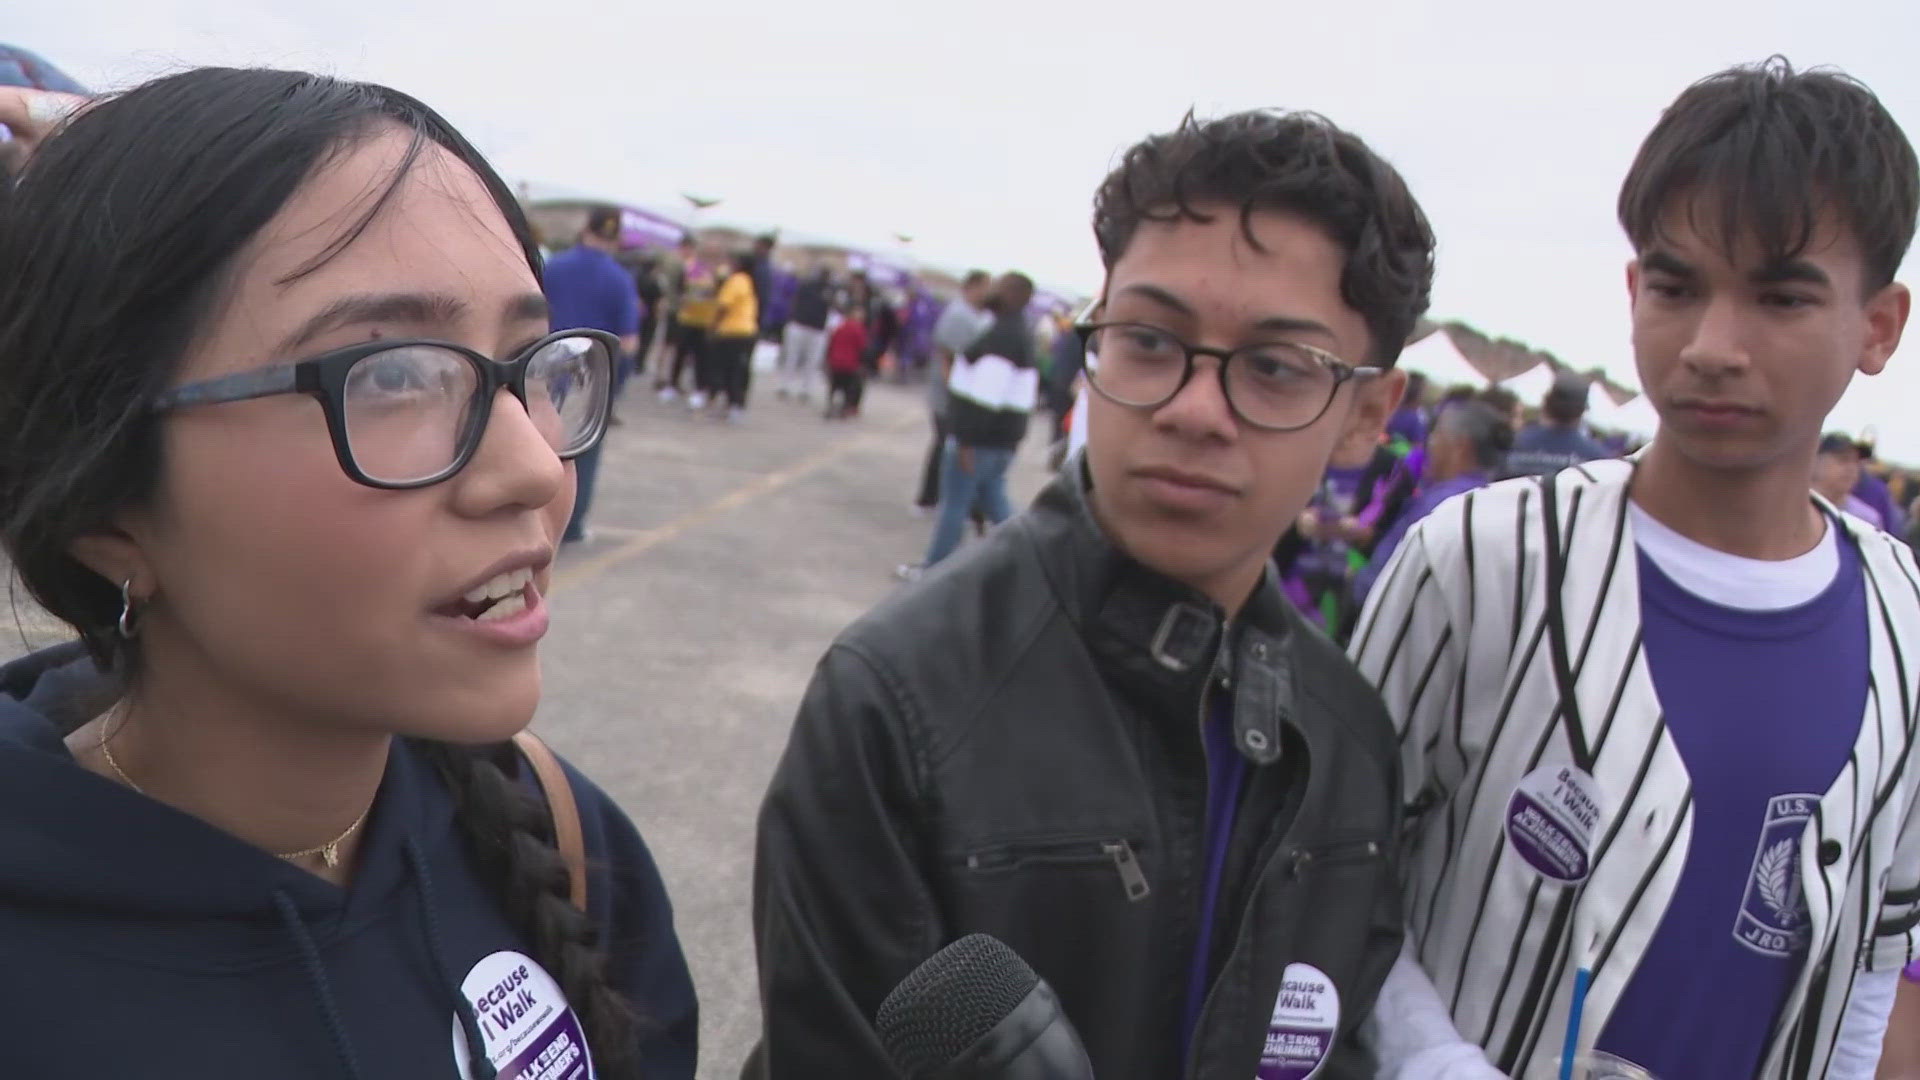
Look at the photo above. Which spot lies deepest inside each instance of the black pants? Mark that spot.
(688, 344)
(645, 334)
(849, 386)
(930, 475)
(731, 369)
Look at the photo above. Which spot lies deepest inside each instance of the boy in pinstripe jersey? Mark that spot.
(1655, 716)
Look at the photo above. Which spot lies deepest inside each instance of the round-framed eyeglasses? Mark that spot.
(1274, 386)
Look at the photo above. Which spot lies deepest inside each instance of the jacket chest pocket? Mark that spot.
(1098, 857)
(1078, 886)
(1084, 910)
(1313, 859)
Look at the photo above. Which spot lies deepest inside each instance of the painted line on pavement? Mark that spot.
(645, 540)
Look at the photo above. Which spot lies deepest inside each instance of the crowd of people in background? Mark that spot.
(1442, 443)
(699, 321)
(695, 318)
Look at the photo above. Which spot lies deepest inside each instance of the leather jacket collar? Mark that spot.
(1159, 638)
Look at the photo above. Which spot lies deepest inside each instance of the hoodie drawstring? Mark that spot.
(317, 976)
(469, 1023)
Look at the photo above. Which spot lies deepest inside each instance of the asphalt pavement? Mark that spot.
(723, 560)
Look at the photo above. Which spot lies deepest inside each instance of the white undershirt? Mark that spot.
(1731, 580)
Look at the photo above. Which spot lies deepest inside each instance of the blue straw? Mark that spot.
(1581, 979)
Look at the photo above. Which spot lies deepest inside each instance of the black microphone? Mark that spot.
(976, 1011)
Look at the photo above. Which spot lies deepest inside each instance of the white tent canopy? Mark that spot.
(1602, 412)
(1637, 417)
(1531, 385)
(1436, 357)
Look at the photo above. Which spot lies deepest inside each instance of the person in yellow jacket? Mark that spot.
(689, 339)
(735, 329)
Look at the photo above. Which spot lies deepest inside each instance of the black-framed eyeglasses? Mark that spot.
(406, 414)
(1277, 386)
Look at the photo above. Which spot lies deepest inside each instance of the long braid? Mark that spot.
(509, 834)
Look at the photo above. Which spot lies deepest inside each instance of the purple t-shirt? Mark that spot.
(1226, 775)
(1874, 492)
(1334, 500)
(1425, 501)
(1764, 707)
(1408, 424)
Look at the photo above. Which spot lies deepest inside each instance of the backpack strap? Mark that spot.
(567, 834)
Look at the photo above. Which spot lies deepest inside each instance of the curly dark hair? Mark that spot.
(1772, 148)
(1293, 161)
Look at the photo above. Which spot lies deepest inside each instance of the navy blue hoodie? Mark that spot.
(137, 941)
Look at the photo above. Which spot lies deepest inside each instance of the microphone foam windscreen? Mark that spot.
(950, 1001)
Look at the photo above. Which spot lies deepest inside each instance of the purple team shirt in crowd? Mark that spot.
(1425, 501)
(1764, 708)
(1408, 424)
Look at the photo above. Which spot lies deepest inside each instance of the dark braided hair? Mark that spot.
(116, 241)
(509, 836)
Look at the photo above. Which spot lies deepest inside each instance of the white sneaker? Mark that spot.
(668, 395)
(909, 571)
(696, 401)
(736, 414)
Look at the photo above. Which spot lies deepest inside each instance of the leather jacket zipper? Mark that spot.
(1332, 855)
(1071, 852)
(1131, 876)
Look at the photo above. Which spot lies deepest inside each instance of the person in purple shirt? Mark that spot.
(1872, 489)
(1409, 421)
(587, 289)
(1470, 440)
(1836, 472)
(1366, 488)
(1727, 684)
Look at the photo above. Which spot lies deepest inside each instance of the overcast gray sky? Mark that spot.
(982, 129)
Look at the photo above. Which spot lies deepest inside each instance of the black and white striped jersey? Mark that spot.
(1456, 637)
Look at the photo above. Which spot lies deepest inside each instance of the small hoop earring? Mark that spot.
(128, 627)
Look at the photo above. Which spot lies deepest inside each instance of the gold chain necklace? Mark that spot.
(329, 852)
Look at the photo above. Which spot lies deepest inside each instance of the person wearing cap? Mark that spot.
(1873, 490)
(1836, 471)
(1559, 440)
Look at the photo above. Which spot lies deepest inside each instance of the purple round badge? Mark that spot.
(528, 1029)
(1552, 819)
(1306, 1014)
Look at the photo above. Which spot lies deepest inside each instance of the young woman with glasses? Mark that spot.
(285, 436)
